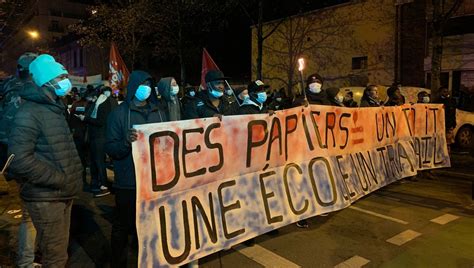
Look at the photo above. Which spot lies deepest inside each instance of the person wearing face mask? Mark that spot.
(277, 103)
(46, 161)
(169, 89)
(188, 102)
(449, 114)
(96, 120)
(315, 94)
(255, 102)
(79, 131)
(139, 107)
(335, 96)
(349, 100)
(423, 97)
(209, 102)
(370, 98)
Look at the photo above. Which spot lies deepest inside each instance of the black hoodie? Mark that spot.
(118, 124)
(46, 160)
(173, 105)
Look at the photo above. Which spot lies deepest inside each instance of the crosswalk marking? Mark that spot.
(446, 218)
(353, 262)
(378, 215)
(403, 237)
(265, 257)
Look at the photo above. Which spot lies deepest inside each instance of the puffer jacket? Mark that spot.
(46, 161)
(120, 120)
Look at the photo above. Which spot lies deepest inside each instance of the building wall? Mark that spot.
(457, 65)
(329, 40)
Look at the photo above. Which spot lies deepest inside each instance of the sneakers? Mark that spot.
(302, 224)
(103, 191)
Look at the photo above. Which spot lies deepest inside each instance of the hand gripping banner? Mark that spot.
(205, 185)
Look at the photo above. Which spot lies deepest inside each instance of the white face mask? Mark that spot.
(315, 87)
(228, 92)
(278, 99)
(174, 90)
(340, 98)
(426, 99)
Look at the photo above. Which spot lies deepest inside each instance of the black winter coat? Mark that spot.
(98, 126)
(46, 160)
(204, 108)
(120, 121)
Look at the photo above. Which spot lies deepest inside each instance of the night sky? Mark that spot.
(233, 51)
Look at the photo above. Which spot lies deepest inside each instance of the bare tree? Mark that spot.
(299, 36)
(441, 13)
(128, 23)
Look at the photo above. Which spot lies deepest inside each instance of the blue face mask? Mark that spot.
(65, 87)
(192, 93)
(143, 92)
(261, 97)
(174, 90)
(216, 93)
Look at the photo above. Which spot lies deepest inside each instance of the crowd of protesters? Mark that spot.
(56, 133)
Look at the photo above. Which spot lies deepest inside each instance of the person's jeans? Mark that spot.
(52, 221)
(123, 226)
(26, 240)
(98, 168)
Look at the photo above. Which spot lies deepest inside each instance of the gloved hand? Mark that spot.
(132, 135)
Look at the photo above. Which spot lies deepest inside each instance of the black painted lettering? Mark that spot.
(344, 129)
(330, 124)
(210, 224)
(275, 126)
(225, 209)
(288, 192)
(186, 151)
(332, 183)
(162, 187)
(164, 236)
(217, 146)
(267, 195)
(250, 142)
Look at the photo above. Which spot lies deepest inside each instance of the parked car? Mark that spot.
(464, 130)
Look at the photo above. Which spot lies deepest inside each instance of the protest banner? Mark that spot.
(205, 185)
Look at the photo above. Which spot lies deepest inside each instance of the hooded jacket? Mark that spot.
(120, 121)
(173, 105)
(46, 160)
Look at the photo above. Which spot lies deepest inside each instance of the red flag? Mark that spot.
(207, 65)
(118, 72)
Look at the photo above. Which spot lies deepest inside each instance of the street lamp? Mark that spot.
(33, 34)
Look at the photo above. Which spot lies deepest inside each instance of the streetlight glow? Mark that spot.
(300, 64)
(33, 34)
(94, 11)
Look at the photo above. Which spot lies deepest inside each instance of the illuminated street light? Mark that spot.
(33, 34)
(94, 11)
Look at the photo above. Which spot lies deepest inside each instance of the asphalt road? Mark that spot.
(428, 223)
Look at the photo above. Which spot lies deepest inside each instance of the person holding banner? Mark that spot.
(209, 102)
(314, 91)
(335, 97)
(257, 96)
(140, 107)
(188, 102)
(370, 98)
(169, 89)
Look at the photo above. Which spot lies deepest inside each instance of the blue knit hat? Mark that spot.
(44, 69)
